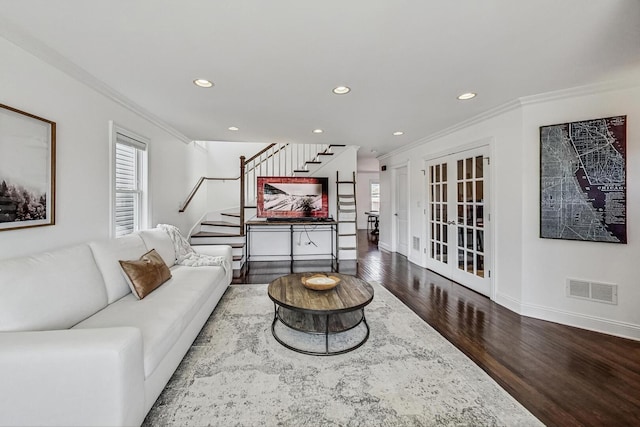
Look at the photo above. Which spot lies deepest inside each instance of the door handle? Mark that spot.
(395, 214)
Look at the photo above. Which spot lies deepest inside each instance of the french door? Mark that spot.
(457, 217)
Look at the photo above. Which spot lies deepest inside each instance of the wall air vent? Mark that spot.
(592, 291)
(416, 243)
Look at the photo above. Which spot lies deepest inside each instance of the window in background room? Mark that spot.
(374, 188)
(129, 200)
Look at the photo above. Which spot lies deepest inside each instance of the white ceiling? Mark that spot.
(274, 63)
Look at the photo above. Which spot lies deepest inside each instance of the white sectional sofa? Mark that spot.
(78, 348)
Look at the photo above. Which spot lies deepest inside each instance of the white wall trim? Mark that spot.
(583, 321)
(577, 91)
(198, 224)
(384, 246)
(564, 317)
(413, 260)
(146, 201)
(515, 104)
(509, 106)
(508, 302)
(40, 50)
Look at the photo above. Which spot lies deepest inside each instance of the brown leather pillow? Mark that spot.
(146, 274)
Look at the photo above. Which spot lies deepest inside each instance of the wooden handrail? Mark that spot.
(264, 160)
(258, 153)
(197, 187)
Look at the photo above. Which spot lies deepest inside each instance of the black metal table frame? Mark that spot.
(326, 332)
(331, 226)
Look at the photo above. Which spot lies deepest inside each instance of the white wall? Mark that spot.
(82, 174)
(548, 263)
(529, 273)
(368, 171)
(224, 162)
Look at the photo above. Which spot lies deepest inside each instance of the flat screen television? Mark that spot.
(293, 197)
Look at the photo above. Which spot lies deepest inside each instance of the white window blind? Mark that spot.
(128, 184)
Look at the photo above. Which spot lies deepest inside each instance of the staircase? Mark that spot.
(227, 227)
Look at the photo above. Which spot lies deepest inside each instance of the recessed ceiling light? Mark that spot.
(341, 90)
(466, 96)
(202, 83)
(398, 133)
(318, 131)
(233, 128)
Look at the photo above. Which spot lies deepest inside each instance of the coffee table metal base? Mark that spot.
(319, 324)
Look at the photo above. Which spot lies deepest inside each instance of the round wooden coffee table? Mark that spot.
(320, 312)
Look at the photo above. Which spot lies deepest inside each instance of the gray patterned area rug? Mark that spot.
(406, 374)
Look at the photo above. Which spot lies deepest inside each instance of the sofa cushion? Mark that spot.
(146, 274)
(107, 254)
(160, 241)
(52, 290)
(164, 314)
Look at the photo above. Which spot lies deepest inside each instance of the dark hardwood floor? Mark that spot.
(565, 376)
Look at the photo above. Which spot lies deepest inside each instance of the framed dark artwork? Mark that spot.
(583, 180)
(27, 169)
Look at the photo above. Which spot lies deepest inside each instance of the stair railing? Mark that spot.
(282, 159)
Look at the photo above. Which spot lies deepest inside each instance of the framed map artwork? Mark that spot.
(583, 187)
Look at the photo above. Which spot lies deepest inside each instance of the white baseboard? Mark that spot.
(578, 320)
(415, 261)
(385, 246)
(584, 321)
(508, 302)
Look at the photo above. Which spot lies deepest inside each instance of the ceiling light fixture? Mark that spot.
(202, 83)
(465, 96)
(398, 133)
(233, 128)
(341, 90)
(318, 131)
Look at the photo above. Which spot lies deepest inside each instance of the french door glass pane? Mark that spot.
(438, 209)
(470, 236)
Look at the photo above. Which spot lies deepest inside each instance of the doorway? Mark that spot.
(401, 211)
(458, 218)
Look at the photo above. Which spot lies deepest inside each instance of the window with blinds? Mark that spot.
(129, 184)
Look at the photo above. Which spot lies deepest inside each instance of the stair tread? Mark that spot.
(238, 257)
(220, 223)
(214, 234)
(325, 154)
(337, 145)
(233, 214)
(346, 222)
(349, 234)
(347, 248)
(301, 170)
(313, 162)
(345, 182)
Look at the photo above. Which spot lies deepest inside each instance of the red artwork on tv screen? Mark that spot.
(292, 197)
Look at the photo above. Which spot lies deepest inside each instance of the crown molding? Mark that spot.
(573, 92)
(40, 50)
(586, 90)
(504, 108)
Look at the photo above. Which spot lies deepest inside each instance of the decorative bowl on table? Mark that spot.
(320, 282)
